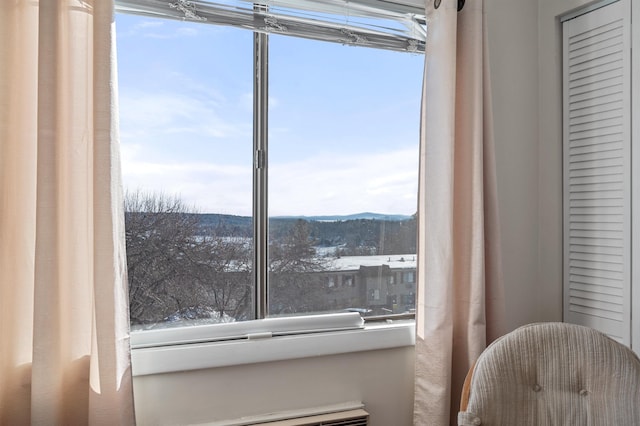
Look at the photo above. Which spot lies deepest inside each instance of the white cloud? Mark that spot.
(203, 171)
(334, 184)
(148, 24)
(209, 187)
(177, 33)
(158, 29)
(175, 143)
(246, 101)
(273, 102)
(382, 183)
(149, 115)
(186, 32)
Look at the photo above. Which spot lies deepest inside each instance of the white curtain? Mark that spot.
(64, 339)
(460, 297)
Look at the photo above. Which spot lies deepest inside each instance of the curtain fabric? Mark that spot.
(460, 297)
(64, 339)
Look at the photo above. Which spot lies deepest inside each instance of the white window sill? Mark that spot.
(195, 356)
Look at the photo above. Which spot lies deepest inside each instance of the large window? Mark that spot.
(265, 175)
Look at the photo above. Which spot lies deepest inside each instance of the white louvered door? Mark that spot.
(597, 170)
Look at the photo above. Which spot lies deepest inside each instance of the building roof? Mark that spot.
(350, 263)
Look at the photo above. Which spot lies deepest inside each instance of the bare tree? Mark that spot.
(223, 269)
(176, 268)
(296, 284)
(159, 231)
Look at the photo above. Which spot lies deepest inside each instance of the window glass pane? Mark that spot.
(343, 175)
(186, 108)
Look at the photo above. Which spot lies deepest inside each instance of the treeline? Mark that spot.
(351, 237)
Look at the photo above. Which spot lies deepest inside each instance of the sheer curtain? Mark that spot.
(64, 342)
(460, 297)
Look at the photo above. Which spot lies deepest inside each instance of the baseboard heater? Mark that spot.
(346, 414)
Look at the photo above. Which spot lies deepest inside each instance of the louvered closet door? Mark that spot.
(597, 179)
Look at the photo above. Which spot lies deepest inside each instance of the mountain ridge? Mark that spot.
(237, 219)
(354, 216)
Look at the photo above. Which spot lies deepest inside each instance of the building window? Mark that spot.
(348, 280)
(374, 294)
(247, 183)
(409, 277)
(331, 281)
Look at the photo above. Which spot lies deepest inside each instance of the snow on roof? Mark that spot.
(396, 261)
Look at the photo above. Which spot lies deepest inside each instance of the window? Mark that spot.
(374, 294)
(250, 186)
(331, 281)
(348, 280)
(409, 277)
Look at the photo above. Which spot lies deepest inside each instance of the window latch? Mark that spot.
(257, 336)
(260, 159)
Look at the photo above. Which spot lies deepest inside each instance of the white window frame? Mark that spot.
(268, 339)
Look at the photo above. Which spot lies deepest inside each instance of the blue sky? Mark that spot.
(343, 121)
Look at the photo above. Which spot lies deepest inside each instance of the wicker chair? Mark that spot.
(553, 374)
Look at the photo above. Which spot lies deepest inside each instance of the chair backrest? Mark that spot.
(553, 374)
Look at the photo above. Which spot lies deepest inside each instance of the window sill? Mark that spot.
(157, 360)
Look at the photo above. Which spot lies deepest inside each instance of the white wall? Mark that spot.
(524, 50)
(525, 42)
(513, 44)
(382, 379)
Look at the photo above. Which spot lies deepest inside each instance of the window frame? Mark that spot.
(262, 326)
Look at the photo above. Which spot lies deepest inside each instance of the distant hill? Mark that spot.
(215, 219)
(356, 216)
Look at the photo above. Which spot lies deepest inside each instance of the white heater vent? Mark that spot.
(343, 414)
(344, 418)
